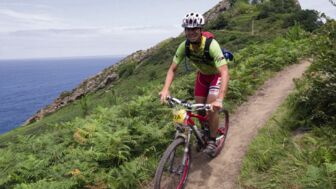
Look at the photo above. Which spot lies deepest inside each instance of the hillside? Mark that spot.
(112, 134)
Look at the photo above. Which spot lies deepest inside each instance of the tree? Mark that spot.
(232, 2)
(282, 6)
(308, 19)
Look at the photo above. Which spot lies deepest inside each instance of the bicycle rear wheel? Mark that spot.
(173, 168)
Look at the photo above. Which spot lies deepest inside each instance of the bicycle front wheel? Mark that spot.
(173, 168)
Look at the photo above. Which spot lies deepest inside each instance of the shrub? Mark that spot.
(84, 105)
(308, 19)
(316, 97)
(219, 23)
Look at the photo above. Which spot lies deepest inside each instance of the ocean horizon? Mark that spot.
(27, 85)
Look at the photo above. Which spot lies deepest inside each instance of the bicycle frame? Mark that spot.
(190, 123)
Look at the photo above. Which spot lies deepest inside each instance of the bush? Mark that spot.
(308, 19)
(315, 102)
(219, 23)
(126, 69)
(263, 14)
(275, 6)
(84, 105)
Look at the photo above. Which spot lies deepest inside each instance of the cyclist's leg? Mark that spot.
(211, 147)
(201, 89)
(212, 96)
(213, 117)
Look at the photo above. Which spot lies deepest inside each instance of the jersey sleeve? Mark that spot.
(217, 54)
(180, 53)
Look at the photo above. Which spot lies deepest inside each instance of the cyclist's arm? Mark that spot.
(224, 71)
(179, 56)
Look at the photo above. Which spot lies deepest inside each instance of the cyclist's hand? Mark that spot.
(163, 96)
(217, 105)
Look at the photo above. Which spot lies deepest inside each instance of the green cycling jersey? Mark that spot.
(205, 66)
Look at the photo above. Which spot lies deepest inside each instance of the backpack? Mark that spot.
(209, 37)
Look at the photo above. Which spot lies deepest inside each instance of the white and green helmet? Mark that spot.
(193, 20)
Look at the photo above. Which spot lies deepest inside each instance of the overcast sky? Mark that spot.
(63, 28)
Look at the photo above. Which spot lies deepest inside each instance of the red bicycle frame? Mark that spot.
(200, 118)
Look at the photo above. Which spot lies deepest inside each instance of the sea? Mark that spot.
(28, 85)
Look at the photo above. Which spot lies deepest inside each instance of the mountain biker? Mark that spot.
(212, 74)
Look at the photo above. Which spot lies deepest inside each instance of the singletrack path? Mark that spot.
(223, 171)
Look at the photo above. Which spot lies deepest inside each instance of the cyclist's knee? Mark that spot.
(211, 98)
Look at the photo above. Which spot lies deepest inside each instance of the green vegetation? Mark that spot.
(114, 138)
(308, 19)
(297, 148)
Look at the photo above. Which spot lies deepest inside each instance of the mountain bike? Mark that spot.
(173, 168)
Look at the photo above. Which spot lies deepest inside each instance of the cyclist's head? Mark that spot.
(193, 23)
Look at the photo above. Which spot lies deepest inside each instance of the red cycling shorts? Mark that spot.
(207, 84)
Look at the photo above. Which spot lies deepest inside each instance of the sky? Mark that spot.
(70, 28)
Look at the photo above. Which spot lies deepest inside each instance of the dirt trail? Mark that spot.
(223, 171)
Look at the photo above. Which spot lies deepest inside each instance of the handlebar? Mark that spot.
(190, 106)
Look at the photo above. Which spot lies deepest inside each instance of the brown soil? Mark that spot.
(223, 171)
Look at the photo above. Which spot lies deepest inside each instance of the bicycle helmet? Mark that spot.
(193, 20)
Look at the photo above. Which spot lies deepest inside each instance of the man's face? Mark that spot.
(193, 34)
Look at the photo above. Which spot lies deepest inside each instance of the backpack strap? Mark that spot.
(187, 48)
(207, 49)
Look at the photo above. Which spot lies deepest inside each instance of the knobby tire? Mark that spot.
(224, 131)
(168, 156)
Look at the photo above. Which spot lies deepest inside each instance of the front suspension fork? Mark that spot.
(186, 147)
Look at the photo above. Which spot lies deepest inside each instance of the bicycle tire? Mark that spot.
(170, 155)
(223, 132)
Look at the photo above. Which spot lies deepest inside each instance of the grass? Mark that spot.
(282, 158)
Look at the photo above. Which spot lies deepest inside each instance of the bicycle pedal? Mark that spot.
(175, 171)
(179, 170)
